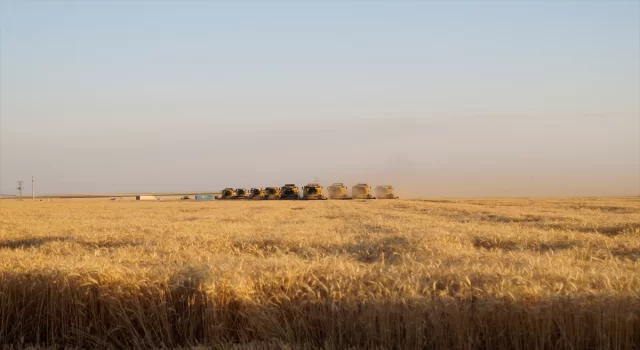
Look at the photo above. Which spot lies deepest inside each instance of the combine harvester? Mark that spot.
(385, 192)
(289, 191)
(361, 191)
(338, 191)
(241, 193)
(313, 191)
(227, 193)
(257, 193)
(272, 193)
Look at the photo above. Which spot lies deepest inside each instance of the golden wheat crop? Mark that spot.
(472, 273)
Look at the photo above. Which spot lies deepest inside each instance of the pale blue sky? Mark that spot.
(444, 98)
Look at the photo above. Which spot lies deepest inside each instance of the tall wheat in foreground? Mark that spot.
(442, 274)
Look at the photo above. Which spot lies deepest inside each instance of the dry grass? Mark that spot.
(494, 274)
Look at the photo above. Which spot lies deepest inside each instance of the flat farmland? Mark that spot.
(432, 273)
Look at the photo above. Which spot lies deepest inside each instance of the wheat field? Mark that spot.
(561, 273)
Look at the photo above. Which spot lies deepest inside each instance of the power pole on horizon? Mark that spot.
(20, 189)
(33, 187)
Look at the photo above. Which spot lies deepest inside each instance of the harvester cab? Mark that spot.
(338, 191)
(257, 193)
(313, 191)
(242, 193)
(362, 191)
(227, 193)
(289, 191)
(272, 193)
(385, 192)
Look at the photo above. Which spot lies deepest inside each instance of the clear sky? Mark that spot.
(437, 98)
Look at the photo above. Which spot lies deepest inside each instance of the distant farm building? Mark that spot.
(147, 198)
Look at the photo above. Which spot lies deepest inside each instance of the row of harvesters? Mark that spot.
(310, 192)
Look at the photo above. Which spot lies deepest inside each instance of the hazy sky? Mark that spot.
(437, 98)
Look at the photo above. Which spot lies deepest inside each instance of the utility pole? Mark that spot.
(33, 188)
(20, 189)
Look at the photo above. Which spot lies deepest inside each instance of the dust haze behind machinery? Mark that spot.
(463, 157)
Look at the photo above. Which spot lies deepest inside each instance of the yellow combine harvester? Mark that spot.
(272, 193)
(361, 191)
(338, 191)
(385, 192)
(242, 193)
(257, 193)
(289, 191)
(313, 191)
(227, 193)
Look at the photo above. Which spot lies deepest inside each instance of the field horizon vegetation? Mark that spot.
(492, 273)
